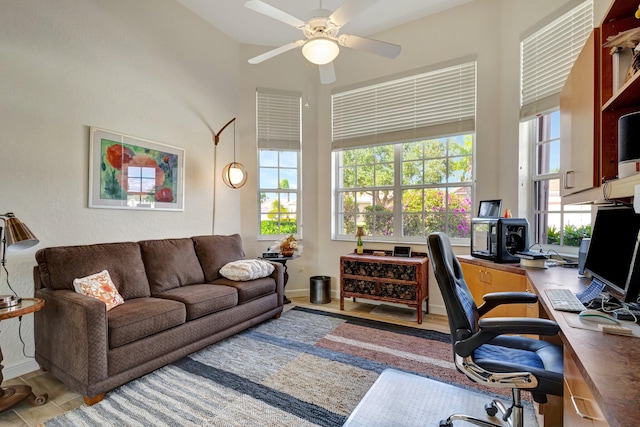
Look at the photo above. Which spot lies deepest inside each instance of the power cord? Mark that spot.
(24, 345)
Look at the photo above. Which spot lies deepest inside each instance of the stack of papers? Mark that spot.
(532, 255)
(533, 259)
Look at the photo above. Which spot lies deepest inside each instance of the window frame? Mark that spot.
(280, 191)
(279, 130)
(398, 187)
(536, 179)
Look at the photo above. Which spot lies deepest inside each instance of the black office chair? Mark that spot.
(481, 349)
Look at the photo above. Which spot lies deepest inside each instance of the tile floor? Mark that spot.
(61, 399)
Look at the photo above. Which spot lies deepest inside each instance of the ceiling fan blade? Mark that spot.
(349, 10)
(273, 12)
(277, 51)
(378, 47)
(327, 73)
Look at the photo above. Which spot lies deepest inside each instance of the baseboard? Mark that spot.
(19, 369)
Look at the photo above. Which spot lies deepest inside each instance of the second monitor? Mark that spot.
(613, 252)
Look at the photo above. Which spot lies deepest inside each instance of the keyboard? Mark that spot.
(564, 300)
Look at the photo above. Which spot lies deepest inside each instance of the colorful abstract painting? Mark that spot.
(132, 173)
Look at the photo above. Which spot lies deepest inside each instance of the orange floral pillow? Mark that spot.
(99, 286)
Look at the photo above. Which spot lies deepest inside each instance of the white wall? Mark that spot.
(148, 68)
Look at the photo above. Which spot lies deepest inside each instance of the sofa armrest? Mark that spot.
(278, 276)
(71, 335)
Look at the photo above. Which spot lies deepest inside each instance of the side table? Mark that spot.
(283, 260)
(10, 396)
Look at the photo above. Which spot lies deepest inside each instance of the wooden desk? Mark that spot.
(609, 364)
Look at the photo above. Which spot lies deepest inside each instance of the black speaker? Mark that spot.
(629, 144)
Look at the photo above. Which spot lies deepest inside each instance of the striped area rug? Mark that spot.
(307, 368)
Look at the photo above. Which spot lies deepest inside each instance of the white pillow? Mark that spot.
(99, 286)
(246, 269)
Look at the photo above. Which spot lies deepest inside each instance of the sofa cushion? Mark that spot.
(99, 286)
(59, 266)
(170, 263)
(141, 317)
(215, 251)
(250, 290)
(246, 269)
(203, 299)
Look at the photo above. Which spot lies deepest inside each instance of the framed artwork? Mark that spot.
(126, 172)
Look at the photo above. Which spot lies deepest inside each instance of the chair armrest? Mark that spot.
(492, 300)
(493, 327)
(71, 335)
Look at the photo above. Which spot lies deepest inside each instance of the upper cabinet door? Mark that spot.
(579, 122)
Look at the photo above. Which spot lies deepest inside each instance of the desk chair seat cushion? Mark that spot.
(521, 354)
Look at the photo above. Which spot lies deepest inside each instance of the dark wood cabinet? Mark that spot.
(385, 278)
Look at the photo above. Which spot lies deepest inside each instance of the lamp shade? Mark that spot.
(234, 175)
(320, 50)
(18, 235)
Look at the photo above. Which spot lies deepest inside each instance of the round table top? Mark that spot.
(26, 306)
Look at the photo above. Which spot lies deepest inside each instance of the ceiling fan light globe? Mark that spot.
(320, 50)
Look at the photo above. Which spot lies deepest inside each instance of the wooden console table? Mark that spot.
(385, 278)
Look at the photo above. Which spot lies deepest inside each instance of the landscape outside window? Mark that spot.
(407, 190)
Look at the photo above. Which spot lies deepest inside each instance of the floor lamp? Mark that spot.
(16, 236)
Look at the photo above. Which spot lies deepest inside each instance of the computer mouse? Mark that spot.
(596, 316)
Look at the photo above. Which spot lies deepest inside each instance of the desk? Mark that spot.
(609, 364)
(10, 396)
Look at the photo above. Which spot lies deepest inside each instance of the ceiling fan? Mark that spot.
(322, 44)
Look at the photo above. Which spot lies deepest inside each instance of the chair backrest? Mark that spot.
(461, 308)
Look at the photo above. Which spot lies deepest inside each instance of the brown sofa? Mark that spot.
(175, 303)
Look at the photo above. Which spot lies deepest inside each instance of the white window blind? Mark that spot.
(546, 58)
(427, 105)
(279, 116)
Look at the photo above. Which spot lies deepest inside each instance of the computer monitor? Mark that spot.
(613, 256)
(489, 208)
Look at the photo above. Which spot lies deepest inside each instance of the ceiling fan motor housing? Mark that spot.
(320, 25)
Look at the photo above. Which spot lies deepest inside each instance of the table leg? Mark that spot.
(286, 279)
(12, 395)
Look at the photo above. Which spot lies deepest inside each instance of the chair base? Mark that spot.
(513, 416)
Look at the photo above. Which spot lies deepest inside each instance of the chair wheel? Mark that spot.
(491, 409)
(445, 423)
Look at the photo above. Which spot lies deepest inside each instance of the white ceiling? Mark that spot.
(246, 26)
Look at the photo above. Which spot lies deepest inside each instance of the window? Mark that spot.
(553, 223)
(279, 145)
(547, 55)
(546, 58)
(403, 156)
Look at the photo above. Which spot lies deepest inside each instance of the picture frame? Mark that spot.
(402, 251)
(127, 172)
